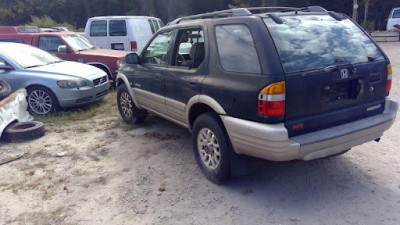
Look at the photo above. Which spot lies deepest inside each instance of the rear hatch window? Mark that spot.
(334, 73)
(316, 41)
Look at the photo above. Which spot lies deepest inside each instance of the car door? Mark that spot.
(98, 33)
(51, 43)
(186, 72)
(147, 77)
(117, 35)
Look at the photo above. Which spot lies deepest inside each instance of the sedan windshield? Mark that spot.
(308, 42)
(78, 43)
(27, 56)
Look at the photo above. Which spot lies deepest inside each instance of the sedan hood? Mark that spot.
(75, 69)
(104, 52)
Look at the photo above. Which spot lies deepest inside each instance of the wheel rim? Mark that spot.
(126, 104)
(40, 102)
(208, 147)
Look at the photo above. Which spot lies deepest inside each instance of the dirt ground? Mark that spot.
(113, 173)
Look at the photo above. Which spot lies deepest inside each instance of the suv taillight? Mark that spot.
(133, 45)
(389, 78)
(271, 100)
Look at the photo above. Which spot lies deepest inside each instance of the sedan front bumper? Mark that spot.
(69, 97)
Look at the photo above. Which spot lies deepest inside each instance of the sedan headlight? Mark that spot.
(71, 83)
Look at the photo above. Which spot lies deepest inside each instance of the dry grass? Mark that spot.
(106, 106)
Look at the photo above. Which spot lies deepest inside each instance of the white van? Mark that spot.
(129, 33)
(394, 18)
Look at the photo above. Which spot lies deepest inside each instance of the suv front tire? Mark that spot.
(129, 112)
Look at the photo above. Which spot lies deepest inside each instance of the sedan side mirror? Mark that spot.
(62, 49)
(5, 67)
(132, 58)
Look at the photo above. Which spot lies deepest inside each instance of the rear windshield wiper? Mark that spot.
(325, 69)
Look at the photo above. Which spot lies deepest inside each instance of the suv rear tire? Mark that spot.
(211, 147)
(129, 112)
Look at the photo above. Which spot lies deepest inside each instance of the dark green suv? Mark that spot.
(282, 84)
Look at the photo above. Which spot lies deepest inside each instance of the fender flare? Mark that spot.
(123, 78)
(205, 99)
(101, 64)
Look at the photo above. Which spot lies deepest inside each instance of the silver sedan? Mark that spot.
(51, 82)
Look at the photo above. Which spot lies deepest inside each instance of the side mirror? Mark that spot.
(132, 58)
(5, 67)
(62, 49)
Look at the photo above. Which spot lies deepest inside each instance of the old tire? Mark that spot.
(23, 131)
(129, 112)
(211, 147)
(41, 100)
(5, 89)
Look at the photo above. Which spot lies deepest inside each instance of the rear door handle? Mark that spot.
(158, 77)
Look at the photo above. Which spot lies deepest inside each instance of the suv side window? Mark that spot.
(117, 28)
(190, 49)
(98, 28)
(157, 50)
(49, 43)
(236, 49)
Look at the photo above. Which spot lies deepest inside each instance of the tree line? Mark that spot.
(372, 14)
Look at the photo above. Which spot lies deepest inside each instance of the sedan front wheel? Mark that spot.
(41, 100)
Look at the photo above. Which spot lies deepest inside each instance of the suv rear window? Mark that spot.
(98, 28)
(117, 28)
(309, 42)
(236, 49)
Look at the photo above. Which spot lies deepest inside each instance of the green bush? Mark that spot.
(47, 22)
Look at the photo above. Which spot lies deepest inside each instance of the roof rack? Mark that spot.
(247, 12)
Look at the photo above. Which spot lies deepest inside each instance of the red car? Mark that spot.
(66, 45)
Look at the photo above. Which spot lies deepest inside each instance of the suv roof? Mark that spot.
(273, 12)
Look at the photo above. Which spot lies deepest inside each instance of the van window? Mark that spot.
(13, 40)
(49, 43)
(153, 29)
(117, 28)
(156, 26)
(98, 28)
(236, 49)
(396, 14)
(161, 23)
(158, 49)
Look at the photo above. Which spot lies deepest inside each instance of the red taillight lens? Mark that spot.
(133, 45)
(389, 78)
(271, 100)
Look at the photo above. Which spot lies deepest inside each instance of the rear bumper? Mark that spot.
(271, 141)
